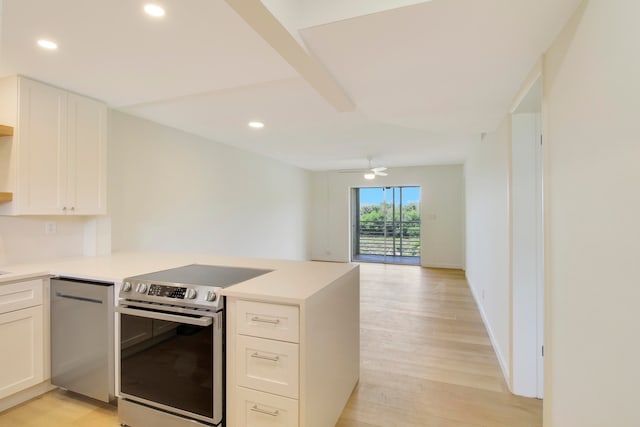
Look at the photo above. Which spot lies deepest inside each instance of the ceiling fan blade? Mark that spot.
(378, 169)
(380, 173)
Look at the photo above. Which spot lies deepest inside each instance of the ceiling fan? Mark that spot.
(369, 173)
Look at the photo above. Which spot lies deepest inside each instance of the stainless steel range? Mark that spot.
(172, 345)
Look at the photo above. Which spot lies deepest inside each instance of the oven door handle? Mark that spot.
(196, 321)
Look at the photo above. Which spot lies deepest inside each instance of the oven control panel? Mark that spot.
(174, 294)
(167, 291)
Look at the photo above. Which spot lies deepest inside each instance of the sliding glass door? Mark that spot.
(386, 224)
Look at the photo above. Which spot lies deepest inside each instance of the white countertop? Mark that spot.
(290, 282)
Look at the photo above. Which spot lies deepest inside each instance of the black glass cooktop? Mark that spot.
(204, 275)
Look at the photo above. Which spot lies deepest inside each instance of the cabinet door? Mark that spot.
(42, 160)
(86, 156)
(22, 355)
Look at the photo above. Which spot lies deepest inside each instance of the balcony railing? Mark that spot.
(394, 238)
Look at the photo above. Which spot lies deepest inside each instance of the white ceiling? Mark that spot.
(426, 78)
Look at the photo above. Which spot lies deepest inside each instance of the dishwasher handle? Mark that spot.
(196, 321)
(78, 298)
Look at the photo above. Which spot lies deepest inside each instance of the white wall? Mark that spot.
(592, 108)
(442, 212)
(173, 191)
(23, 239)
(487, 229)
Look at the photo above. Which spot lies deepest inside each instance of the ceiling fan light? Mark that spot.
(369, 175)
(154, 10)
(47, 44)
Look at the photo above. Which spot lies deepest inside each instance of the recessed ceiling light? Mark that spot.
(256, 125)
(154, 10)
(47, 44)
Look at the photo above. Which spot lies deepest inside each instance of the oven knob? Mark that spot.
(141, 288)
(211, 296)
(126, 287)
(191, 294)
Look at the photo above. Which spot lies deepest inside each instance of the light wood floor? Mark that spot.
(426, 361)
(426, 358)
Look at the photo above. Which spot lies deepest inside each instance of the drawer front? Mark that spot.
(274, 321)
(267, 365)
(256, 409)
(16, 296)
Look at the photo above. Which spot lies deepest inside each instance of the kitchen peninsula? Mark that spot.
(320, 301)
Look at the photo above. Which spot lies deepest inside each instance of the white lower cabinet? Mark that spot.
(258, 409)
(22, 336)
(292, 364)
(263, 344)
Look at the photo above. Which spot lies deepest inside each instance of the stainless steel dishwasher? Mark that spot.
(82, 339)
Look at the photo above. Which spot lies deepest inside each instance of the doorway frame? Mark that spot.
(526, 217)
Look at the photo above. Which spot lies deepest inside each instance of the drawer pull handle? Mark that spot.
(262, 356)
(78, 298)
(275, 413)
(260, 319)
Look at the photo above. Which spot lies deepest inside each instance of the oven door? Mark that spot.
(172, 361)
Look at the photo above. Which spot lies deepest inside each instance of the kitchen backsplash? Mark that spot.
(31, 239)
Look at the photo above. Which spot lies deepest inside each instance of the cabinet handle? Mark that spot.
(261, 320)
(64, 208)
(255, 408)
(262, 356)
(73, 208)
(78, 298)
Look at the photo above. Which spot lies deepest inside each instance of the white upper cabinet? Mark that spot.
(86, 155)
(40, 140)
(57, 159)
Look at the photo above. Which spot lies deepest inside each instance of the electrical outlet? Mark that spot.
(50, 227)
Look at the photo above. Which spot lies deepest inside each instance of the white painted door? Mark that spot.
(42, 136)
(527, 254)
(540, 257)
(86, 156)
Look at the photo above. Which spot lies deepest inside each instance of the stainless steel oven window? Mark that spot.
(172, 363)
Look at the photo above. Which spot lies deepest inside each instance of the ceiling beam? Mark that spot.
(273, 32)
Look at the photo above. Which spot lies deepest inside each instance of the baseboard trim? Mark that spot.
(24, 395)
(447, 266)
(494, 343)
